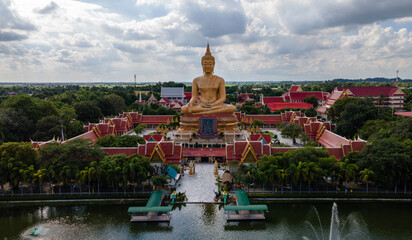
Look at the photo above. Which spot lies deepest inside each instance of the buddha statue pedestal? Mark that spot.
(219, 128)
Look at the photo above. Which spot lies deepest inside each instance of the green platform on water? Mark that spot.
(244, 211)
(152, 212)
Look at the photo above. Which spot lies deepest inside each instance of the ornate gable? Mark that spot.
(398, 92)
(157, 155)
(249, 155)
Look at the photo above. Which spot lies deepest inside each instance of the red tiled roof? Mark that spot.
(294, 88)
(281, 105)
(200, 152)
(87, 135)
(330, 139)
(156, 119)
(337, 152)
(165, 100)
(267, 100)
(244, 96)
(155, 137)
(322, 109)
(229, 152)
(404, 114)
(257, 147)
(300, 96)
(188, 96)
(258, 137)
(333, 97)
(370, 91)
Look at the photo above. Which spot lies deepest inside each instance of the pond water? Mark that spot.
(349, 220)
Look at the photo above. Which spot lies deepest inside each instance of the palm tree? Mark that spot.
(66, 175)
(83, 177)
(314, 172)
(282, 176)
(39, 177)
(13, 172)
(364, 175)
(3, 173)
(273, 175)
(134, 169)
(96, 173)
(92, 175)
(51, 175)
(28, 176)
(348, 171)
(302, 173)
(292, 172)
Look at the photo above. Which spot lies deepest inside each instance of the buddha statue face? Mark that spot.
(208, 66)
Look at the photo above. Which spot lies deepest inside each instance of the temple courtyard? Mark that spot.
(201, 186)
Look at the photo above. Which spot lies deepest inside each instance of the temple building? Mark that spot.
(173, 93)
(332, 98)
(382, 96)
(391, 97)
(292, 99)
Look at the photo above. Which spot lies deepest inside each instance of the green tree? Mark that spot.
(14, 159)
(373, 126)
(310, 112)
(302, 173)
(112, 105)
(314, 172)
(292, 172)
(258, 122)
(347, 171)
(128, 141)
(16, 126)
(364, 175)
(88, 111)
(140, 128)
(47, 128)
(39, 177)
(106, 141)
(1, 131)
(312, 100)
(338, 107)
(76, 154)
(28, 176)
(354, 116)
(291, 130)
(159, 181)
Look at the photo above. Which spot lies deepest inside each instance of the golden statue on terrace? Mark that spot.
(212, 91)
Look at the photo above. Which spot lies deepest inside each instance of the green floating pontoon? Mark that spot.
(152, 212)
(243, 210)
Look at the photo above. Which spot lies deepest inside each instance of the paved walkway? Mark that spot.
(287, 141)
(201, 186)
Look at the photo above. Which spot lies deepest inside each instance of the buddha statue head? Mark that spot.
(208, 61)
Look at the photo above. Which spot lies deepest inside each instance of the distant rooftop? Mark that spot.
(172, 92)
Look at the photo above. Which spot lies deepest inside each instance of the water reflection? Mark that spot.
(245, 226)
(209, 212)
(150, 227)
(199, 221)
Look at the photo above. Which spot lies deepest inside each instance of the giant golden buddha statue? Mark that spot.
(212, 91)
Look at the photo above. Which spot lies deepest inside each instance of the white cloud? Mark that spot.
(68, 40)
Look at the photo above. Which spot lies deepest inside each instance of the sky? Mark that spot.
(160, 40)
